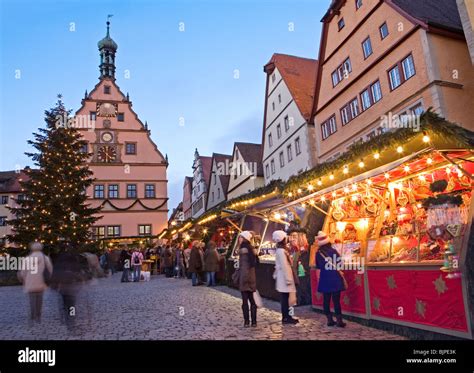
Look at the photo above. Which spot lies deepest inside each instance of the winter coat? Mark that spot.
(33, 277)
(248, 277)
(195, 261)
(211, 260)
(329, 278)
(168, 258)
(283, 275)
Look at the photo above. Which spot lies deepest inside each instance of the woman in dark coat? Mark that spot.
(247, 277)
(211, 263)
(168, 261)
(195, 263)
(330, 280)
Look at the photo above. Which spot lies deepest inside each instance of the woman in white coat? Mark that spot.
(283, 275)
(33, 280)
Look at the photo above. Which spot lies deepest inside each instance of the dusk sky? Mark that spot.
(50, 47)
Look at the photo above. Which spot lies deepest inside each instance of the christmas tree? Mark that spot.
(53, 209)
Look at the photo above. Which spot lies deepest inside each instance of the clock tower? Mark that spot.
(130, 171)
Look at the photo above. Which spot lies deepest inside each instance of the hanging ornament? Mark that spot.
(454, 229)
(402, 199)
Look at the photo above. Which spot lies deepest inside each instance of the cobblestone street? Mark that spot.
(165, 309)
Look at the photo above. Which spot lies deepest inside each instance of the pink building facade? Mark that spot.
(130, 171)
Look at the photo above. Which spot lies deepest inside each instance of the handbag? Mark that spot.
(258, 299)
(343, 278)
(295, 276)
(236, 277)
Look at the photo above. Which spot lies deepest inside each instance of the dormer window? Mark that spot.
(107, 89)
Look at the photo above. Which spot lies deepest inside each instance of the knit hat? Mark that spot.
(279, 236)
(246, 234)
(322, 238)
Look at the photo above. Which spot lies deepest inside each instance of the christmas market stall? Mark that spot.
(399, 212)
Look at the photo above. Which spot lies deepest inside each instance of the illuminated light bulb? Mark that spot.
(310, 187)
(399, 149)
(386, 175)
(376, 155)
(422, 177)
(418, 205)
(299, 191)
(334, 194)
(331, 177)
(354, 187)
(320, 182)
(277, 216)
(323, 198)
(395, 239)
(345, 170)
(354, 197)
(303, 205)
(406, 168)
(448, 170)
(369, 182)
(429, 160)
(290, 194)
(426, 138)
(361, 164)
(346, 190)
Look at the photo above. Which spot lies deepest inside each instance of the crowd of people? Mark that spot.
(199, 263)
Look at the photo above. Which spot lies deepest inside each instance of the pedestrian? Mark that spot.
(137, 260)
(331, 281)
(285, 279)
(187, 257)
(35, 279)
(195, 263)
(180, 270)
(125, 262)
(247, 277)
(168, 261)
(211, 263)
(110, 262)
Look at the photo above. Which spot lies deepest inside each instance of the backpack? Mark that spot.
(137, 259)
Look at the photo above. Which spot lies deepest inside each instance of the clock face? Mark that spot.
(107, 154)
(107, 137)
(106, 109)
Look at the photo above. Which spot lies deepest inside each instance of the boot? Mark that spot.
(331, 322)
(245, 310)
(253, 312)
(340, 323)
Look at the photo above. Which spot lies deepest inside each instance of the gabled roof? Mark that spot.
(299, 75)
(251, 153)
(222, 158)
(438, 13)
(10, 181)
(206, 164)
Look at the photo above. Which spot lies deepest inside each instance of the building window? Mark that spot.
(395, 79)
(417, 109)
(98, 233)
(328, 127)
(340, 24)
(401, 72)
(107, 89)
(297, 146)
(113, 231)
(376, 92)
(270, 140)
(289, 153)
(383, 31)
(130, 148)
(267, 171)
(99, 191)
(358, 4)
(354, 106)
(84, 148)
(342, 72)
(272, 165)
(113, 191)
(287, 123)
(350, 111)
(273, 78)
(345, 118)
(131, 190)
(282, 159)
(93, 115)
(120, 117)
(215, 179)
(273, 106)
(365, 99)
(237, 154)
(4, 200)
(278, 130)
(279, 98)
(3, 221)
(212, 197)
(144, 230)
(408, 67)
(367, 47)
(218, 193)
(21, 198)
(149, 190)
